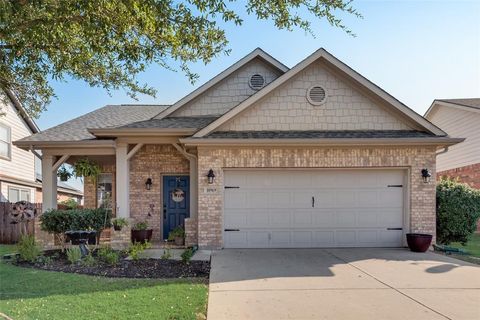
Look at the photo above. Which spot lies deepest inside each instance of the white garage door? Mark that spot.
(313, 208)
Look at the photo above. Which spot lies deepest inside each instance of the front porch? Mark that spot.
(125, 168)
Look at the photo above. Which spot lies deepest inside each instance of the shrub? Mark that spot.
(108, 255)
(187, 255)
(59, 221)
(69, 204)
(167, 254)
(28, 249)
(136, 248)
(89, 260)
(74, 255)
(458, 209)
(120, 222)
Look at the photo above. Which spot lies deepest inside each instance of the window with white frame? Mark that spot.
(16, 194)
(5, 142)
(104, 190)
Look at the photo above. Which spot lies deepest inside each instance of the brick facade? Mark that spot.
(153, 161)
(210, 198)
(467, 174)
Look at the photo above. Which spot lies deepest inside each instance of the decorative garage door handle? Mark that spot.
(232, 230)
(313, 202)
(394, 228)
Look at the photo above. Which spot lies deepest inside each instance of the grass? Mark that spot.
(472, 246)
(35, 294)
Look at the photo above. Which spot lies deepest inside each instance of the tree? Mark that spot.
(107, 43)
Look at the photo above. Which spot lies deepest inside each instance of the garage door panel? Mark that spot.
(280, 218)
(352, 208)
(235, 199)
(302, 218)
(345, 218)
(280, 199)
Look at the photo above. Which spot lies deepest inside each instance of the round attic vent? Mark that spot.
(256, 82)
(316, 95)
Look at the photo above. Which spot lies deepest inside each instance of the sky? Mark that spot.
(417, 51)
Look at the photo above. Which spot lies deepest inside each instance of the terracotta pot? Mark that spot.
(142, 235)
(419, 242)
(179, 241)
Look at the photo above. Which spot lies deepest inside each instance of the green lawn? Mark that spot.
(472, 246)
(35, 294)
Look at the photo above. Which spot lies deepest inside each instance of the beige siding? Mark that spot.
(229, 92)
(287, 108)
(21, 165)
(4, 186)
(458, 123)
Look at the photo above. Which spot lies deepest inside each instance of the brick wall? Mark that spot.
(467, 174)
(210, 206)
(287, 108)
(153, 161)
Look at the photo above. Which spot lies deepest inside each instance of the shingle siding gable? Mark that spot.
(287, 108)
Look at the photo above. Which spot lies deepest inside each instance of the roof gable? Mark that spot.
(371, 90)
(471, 104)
(269, 67)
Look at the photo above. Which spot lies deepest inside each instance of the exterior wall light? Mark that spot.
(148, 184)
(210, 176)
(426, 175)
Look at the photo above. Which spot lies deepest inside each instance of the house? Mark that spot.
(20, 175)
(459, 117)
(261, 156)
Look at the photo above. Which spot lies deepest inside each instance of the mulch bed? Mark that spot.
(143, 268)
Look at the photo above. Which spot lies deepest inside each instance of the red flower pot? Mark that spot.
(419, 242)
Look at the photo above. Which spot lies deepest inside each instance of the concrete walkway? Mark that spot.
(341, 284)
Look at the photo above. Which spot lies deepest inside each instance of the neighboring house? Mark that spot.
(461, 118)
(261, 156)
(19, 175)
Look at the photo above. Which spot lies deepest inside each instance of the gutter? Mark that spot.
(321, 142)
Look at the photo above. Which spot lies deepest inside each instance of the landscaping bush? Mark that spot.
(187, 255)
(136, 248)
(458, 209)
(74, 255)
(108, 255)
(89, 260)
(28, 249)
(59, 221)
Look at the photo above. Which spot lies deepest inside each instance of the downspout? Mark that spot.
(445, 149)
(193, 179)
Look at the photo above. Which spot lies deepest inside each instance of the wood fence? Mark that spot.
(10, 233)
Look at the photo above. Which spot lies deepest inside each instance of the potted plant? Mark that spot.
(119, 223)
(141, 233)
(64, 174)
(86, 168)
(419, 242)
(177, 235)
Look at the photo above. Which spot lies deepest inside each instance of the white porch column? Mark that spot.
(49, 183)
(122, 181)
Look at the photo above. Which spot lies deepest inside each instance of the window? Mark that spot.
(16, 194)
(5, 142)
(104, 191)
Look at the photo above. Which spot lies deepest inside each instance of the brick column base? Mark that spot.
(120, 240)
(44, 239)
(191, 232)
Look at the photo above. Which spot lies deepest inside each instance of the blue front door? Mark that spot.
(176, 202)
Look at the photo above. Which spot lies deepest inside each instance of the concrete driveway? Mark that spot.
(341, 284)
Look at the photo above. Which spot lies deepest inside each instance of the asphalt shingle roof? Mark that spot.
(318, 134)
(108, 116)
(472, 102)
(171, 122)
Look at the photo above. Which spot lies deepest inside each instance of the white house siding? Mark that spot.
(287, 108)
(463, 124)
(4, 186)
(229, 92)
(22, 164)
